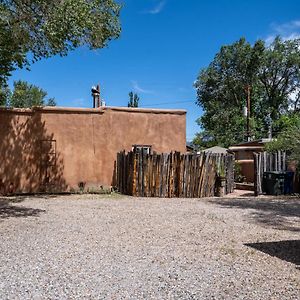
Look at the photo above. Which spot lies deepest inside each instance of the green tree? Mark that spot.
(4, 96)
(279, 80)
(26, 95)
(272, 75)
(133, 100)
(34, 29)
(289, 141)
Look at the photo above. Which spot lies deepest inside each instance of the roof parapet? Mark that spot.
(99, 110)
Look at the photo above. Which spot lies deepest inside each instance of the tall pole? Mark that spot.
(269, 121)
(248, 113)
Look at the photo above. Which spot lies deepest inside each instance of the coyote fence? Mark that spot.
(264, 162)
(172, 174)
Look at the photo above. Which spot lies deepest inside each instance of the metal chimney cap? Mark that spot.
(95, 91)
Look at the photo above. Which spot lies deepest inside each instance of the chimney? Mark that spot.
(96, 96)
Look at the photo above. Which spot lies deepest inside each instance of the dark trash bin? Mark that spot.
(273, 183)
(288, 182)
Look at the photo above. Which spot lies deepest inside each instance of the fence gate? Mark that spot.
(172, 174)
(264, 162)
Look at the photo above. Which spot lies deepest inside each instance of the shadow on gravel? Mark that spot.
(285, 250)
(248, 194)
(7, 210)
(22, 197)
(280, 213)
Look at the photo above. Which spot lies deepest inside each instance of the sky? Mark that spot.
(162, 48)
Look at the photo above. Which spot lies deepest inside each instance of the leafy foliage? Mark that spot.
(133, 100)
(4, 96)
(34, 29)
(273, 76)
(288, 140)
(26, 95)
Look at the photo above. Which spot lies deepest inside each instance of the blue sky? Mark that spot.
(163, 46)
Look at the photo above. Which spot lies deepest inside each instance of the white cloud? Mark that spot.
(269, 39)
(139, 89)
(287, 31)
(157, 9)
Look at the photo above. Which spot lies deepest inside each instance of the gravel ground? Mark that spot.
(103, 247)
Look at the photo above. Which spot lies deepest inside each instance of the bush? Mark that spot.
(288, 141)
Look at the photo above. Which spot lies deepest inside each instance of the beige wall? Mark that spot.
(87, 141)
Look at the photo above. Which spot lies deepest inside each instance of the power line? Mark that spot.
(166, 103)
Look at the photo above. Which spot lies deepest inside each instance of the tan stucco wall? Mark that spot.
(87, 141)
(247, 169)
(244, 157)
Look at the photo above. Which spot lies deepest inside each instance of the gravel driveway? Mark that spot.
(104, 247)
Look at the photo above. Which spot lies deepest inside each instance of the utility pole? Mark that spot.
(269, 122)
(248, 113)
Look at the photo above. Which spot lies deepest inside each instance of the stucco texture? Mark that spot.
(54, 149)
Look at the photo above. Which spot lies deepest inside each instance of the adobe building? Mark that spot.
(57, 149)
(244, 156)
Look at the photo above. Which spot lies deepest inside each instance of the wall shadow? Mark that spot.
(29, 161)
(8, 210)
(248, 194)
(285, 250)
(114, 176)
(279, 213)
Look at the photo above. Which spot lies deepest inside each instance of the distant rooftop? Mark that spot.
(254, 142)
(216, 149)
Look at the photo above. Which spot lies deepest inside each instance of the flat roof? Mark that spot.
(98, 110)
(216, 149)
(254, 142)
(145, 110)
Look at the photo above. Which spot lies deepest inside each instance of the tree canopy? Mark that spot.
(25, 95)
(288, 140)
(273, 76)
(34, 29)
(133, 100)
